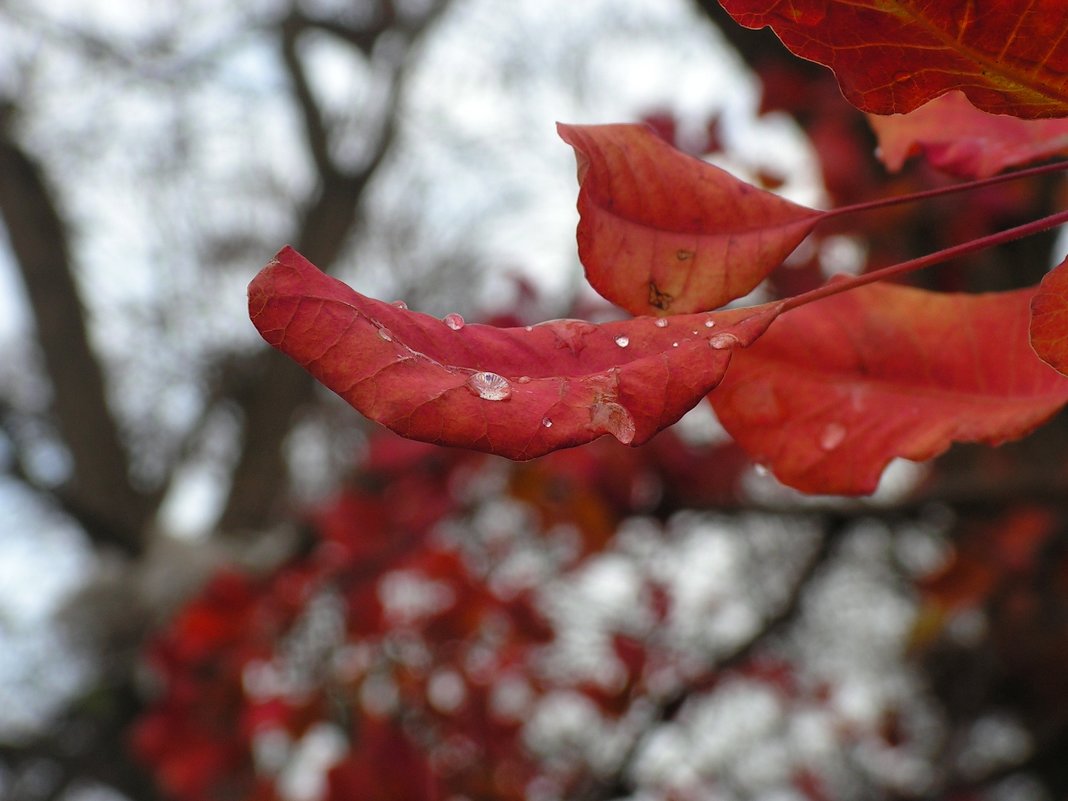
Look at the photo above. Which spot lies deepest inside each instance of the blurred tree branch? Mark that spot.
(86, 745)
(280, 388)
(98, 493)
(621, 782)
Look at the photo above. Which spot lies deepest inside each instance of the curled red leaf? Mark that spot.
(1049, 319)
(838, 388)
(890, 57)
(517, 392)
(663, 232)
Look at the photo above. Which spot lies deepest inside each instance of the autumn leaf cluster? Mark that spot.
(824, 387)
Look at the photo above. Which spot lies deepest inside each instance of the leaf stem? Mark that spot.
(939, 256)
(870, 205)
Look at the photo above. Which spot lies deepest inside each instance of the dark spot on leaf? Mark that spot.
(661, 300)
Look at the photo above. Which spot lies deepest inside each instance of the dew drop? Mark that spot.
(611, 418)
(723, 341)
(490, 386)
(832, 436)
(546, 422)
(528, 328)
(385, 334)
(710, 323)
(674, 344)
(453, 321)
(523, 379)
(761, 469)
(400, 304)
(661, 322)
(622, 341)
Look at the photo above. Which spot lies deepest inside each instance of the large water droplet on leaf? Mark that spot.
(545, 421)
(832, 436)
(385, 334)
(453, 321)
(710, 323)
(490, 386)
(622, 341)
(611, 418)
(723, 341)
(400, 304)
(661, 322)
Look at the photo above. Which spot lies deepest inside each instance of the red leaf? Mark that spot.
(660, 230)
(957, 137)
(838, 388)
(1049, 318)
(1009, 57)
(517, 392)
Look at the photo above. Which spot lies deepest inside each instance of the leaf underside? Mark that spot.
(1049, 318)
(955, 136)
(836, 389)
(890, 57)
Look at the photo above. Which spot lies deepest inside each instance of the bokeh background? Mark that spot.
(218, 582)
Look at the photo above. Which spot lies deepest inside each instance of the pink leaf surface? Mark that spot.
(661, 231)
(1049, 318)
(955, 136)
(838, 388)
(517, 392)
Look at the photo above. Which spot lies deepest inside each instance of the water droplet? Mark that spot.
(723, 341)
(661, 322)
(528, 328)
(710, 323)
(453, 321)
(832, 436)
(622, 341)
(674, 344)
(611, 418)
(546, 422)
(385, 334)
(490, 386)
(695, 332)
(761, 469)
(400, 304)
(523, 379)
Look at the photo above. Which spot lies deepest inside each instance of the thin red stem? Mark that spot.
(1042, 169)
(991, 240)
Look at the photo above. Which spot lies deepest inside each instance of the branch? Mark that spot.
(281, 389)
(99, 492)
(315, 130)
(619, 785)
